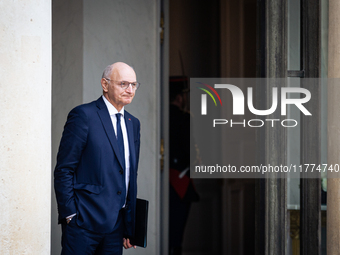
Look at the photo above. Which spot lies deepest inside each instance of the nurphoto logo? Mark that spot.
(238, 106)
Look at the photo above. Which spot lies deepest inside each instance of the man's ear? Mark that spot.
(104, 84)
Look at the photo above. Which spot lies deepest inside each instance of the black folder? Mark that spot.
(142, 207)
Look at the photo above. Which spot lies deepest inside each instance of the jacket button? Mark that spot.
(121, 171)
(119, 192)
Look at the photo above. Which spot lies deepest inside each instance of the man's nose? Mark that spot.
(129, 88)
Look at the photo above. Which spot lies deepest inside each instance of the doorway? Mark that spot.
(217, 38)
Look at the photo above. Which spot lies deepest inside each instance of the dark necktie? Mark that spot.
(120, 139)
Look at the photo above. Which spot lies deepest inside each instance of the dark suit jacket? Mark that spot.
(89, 179)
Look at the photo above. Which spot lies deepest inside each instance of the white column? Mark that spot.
(25, 127)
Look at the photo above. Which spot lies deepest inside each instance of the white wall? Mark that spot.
(25, 127)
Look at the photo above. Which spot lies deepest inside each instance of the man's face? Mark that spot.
(116, 95)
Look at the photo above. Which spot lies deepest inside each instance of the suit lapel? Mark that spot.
(129, 127)
(107, 123)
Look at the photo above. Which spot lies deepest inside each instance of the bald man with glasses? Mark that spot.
(95, 178)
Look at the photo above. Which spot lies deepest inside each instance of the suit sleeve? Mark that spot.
(71, 146)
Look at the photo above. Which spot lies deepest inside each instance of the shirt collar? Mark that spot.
(112, 110)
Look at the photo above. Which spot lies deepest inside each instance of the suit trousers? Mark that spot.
(80, 241)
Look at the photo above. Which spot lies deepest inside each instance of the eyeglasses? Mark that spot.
(126, 84)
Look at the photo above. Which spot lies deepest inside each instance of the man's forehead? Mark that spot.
(125, 73)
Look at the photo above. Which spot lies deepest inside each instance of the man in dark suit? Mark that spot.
(95, 178)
